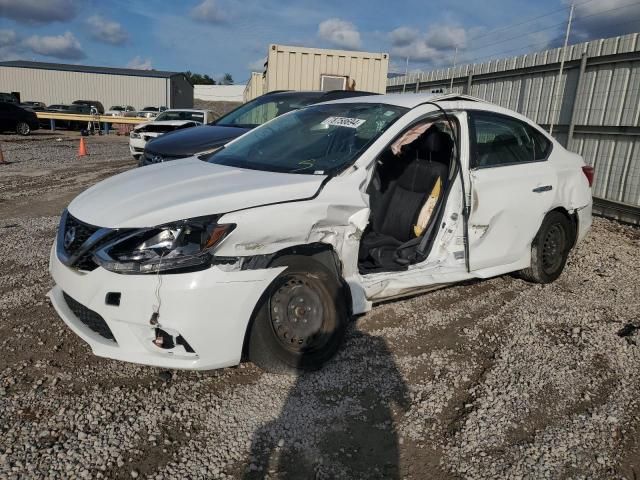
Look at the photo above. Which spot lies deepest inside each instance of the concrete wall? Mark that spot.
(219, 93)
(54, 86)
(596, 113)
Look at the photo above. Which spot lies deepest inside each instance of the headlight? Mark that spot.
(184, 244)
(134, 135)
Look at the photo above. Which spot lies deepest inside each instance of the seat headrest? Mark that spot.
(434, 145)
(436, 141)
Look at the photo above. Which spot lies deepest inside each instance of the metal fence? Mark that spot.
(597, 113)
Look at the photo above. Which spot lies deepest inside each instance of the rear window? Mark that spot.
(263, 109)
(181, 115)
(499, 140)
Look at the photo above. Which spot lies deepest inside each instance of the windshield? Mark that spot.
(320, 140)
(180, 115)
(262, 109)
(117, 108)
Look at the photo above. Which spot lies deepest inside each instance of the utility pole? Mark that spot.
(455, 57)
(406, 73)
(557, 88)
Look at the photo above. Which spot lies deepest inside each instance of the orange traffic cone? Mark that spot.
(82, 149)
(2, 160)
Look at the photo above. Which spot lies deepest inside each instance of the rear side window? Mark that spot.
(499, 140)
(542, 145)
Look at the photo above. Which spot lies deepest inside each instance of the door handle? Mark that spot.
(543, 188)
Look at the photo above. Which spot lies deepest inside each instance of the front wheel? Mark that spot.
(550, 249)
(23, 128)
(301, 321)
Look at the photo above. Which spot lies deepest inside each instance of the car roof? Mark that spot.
(448, 100)
(198, 110)
(412, 100)
(318, 94)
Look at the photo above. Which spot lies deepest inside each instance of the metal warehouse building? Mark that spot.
(54, 83)
(299, 68)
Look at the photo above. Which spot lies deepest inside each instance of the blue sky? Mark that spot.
(218, 36)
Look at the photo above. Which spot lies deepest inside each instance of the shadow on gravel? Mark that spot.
(338, 422)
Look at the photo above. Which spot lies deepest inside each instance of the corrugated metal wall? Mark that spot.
(297, 68)
(54, 86)
(598, 107)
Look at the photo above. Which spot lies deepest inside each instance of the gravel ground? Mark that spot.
(492, 379)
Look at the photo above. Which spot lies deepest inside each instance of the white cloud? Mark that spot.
(604, 18)
(8, 38)
(433, 46)
(107, 31)
(257, 65)
(64, 46)
(339, 33)
(418, 51)
(208, 12)
(9, 48)
(140, 63)
(403, 36)
(446, 37)
(38, 11)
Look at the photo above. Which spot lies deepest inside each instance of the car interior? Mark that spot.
(406, 192)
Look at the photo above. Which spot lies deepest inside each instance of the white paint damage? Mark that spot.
(273, 212)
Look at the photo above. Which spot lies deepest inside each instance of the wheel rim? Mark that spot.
(553, 248)
(297, 315)
(23, 128)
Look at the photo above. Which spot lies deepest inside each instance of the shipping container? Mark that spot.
(255, 86)
(299, 68)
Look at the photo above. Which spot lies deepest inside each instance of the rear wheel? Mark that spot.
(301, 321)
(23, 128)
(550, 249)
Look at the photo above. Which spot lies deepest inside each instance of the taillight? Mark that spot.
(588, 172)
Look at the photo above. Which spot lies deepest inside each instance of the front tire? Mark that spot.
(301, 320)
(550, 249)
(23, 128)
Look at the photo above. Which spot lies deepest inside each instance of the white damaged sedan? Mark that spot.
(270, 245)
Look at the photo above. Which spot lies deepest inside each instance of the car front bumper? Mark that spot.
(136, 146)
(210, 309)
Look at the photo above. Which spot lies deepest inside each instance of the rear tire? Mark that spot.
(550, 249)
(301, 320)
(23, 128)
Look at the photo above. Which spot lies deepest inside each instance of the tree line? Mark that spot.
(204, 79)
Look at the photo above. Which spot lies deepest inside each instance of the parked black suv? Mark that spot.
(17, 119)
(90, 103)
(191, 141)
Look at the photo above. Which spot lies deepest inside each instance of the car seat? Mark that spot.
(397, 209)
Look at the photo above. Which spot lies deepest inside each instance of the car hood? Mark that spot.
(163, 123)
(193, 140)
(167, 192)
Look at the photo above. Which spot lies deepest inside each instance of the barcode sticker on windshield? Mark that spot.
(343, 122)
